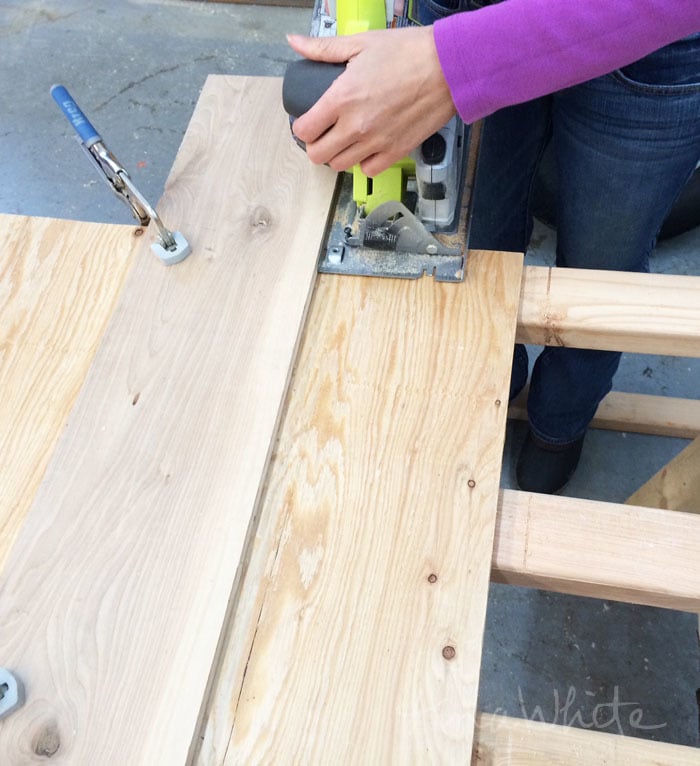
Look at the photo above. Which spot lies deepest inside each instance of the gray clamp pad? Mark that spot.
(11, 693)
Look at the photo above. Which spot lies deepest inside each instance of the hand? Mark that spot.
(390, 98)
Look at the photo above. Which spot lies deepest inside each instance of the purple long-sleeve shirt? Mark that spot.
(518, 50)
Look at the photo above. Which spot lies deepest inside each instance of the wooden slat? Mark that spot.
(385, 479)
(115, 592)
(636, 413)
(606, 550)
(504, 741)
(649, 313)
(676, 486)
(59, 281)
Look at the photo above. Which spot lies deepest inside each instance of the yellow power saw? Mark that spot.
(413, 218)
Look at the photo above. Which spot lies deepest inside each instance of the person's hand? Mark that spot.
(390, 98)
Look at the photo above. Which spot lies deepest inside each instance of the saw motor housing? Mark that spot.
(400, 209)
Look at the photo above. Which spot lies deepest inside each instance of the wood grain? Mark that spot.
(59, 281)
(636, 413)
(504, 741)
(585, 308)
(113, 598)
(367, 640)
(604, 550)
(676, 486)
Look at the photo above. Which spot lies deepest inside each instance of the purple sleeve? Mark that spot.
(520, 49)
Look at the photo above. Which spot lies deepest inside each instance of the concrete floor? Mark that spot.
(136, 67)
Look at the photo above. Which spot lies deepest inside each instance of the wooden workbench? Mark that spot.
(204, 559)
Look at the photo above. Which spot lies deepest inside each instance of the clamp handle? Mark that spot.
(83, 127)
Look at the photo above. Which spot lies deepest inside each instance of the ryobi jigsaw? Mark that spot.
(413, 218)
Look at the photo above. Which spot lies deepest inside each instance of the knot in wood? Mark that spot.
(448, 652)
(261, 217)
(48, 741)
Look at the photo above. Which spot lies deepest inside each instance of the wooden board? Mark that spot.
(504, 741)
(585, 308)
(366, 640)
(116, 590)
(59, 281)
(676, 486)
(605, 550)
(636, 413)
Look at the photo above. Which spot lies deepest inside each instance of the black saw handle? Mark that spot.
(305, 81)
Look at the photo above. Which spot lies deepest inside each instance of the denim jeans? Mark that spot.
(625, 145)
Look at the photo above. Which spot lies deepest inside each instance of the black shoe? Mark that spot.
(544, 467)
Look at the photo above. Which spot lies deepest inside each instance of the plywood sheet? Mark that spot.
(365, 645)
(113, 598)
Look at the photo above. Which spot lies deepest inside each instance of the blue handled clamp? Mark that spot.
(172, 247)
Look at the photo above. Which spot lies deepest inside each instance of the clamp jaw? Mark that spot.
(172, 246)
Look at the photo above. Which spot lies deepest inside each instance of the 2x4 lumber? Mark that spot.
(676, 486)
(610, 310)
(604, 550)
(366, 642)
(59, 282)
(505, 741)
(116, 590)
(636, 413)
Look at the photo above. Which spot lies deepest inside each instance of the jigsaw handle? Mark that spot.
(304, 83)
(74, 114)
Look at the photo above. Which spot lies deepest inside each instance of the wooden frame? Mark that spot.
(561, 307)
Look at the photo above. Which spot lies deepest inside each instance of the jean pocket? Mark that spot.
(426, 12)
(673, 70)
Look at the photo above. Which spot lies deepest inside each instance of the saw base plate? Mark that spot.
(343, 252)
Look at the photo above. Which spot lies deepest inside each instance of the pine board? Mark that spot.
(610, 310)
(676, 486)
(603, 550)
(115, 593)
(504, 741)
(59, 282)
(386, 473)
(636, 413)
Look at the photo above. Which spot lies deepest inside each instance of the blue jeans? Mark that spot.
(625, 145)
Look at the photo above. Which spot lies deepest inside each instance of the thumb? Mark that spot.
(336, 50)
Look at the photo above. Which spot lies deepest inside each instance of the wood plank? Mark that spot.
(385, 479)
(605, 550)
(115, 593)
(676, 486)
(585, 308)
(636, 413)
(519, 742)
(579, 547)
(59, 281)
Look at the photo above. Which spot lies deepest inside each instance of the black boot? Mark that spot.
(544, 467)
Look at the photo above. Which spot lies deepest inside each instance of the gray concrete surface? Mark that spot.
(136, 67)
